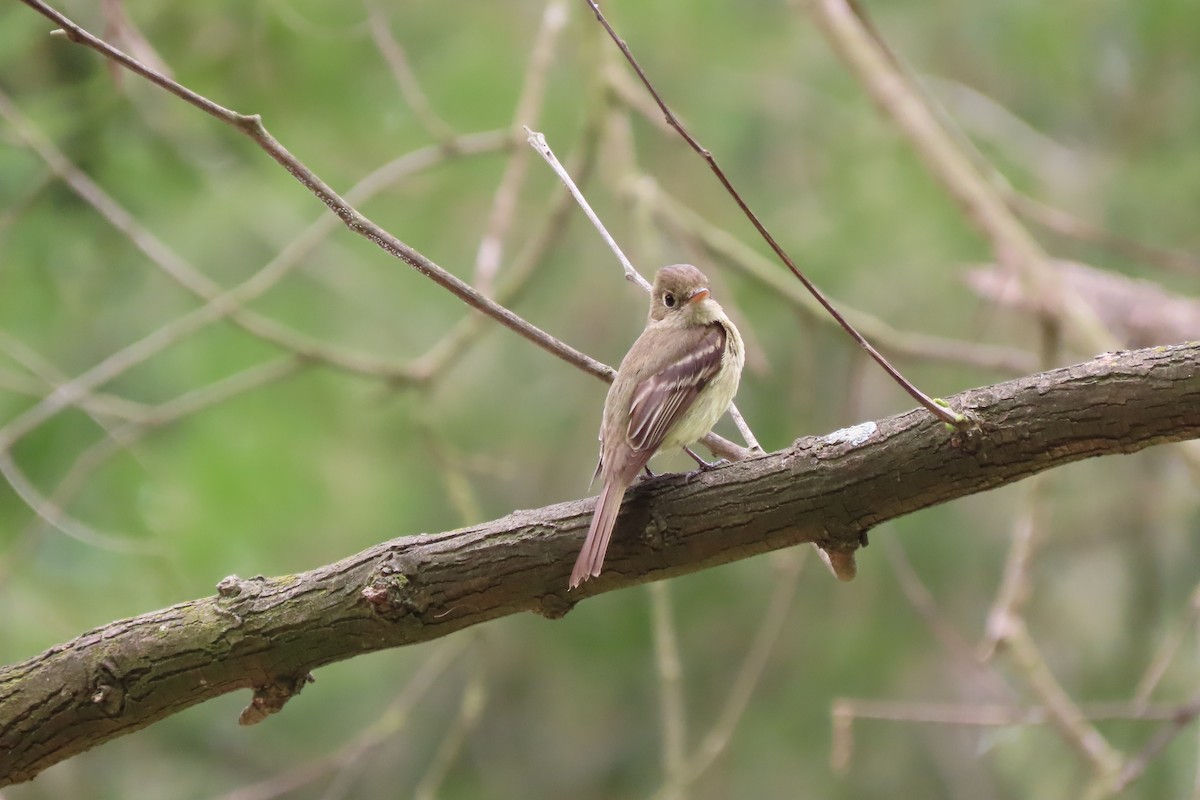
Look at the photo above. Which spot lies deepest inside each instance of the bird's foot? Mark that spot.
(701, 464)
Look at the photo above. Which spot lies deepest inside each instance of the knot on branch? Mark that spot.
(270, 699)
(553, 606)
(969, 439)
(232, 592)
(392, 589)
(108, 691)
(232, 586)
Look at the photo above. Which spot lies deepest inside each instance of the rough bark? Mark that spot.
(267, 634)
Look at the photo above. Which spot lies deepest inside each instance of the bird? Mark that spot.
(675, 382)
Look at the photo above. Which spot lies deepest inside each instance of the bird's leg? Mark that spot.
(704, 466)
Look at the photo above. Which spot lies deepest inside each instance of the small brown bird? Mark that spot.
(673, 385)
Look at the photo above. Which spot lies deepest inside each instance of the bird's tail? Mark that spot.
(591, 557)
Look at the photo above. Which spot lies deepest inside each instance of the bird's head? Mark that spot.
(681, 293)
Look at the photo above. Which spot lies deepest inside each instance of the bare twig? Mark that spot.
(1072, 724)
(55, 516)
(1014, 585)
(119, 28)
(945, 415)
(96, 406)
(998, 715)
(1167, 650)
(923, 602)
(98, 403)
(845, 711)
(252, 126)
(787, 578)
(854, 38)
(529, 103)
(229, 302)
(153, 418)
(395, 718)
(186, 275)
(1139, 313)
(671, 707)
(1066, 224)
(423, 368)
(402, 73)
(440, 356)
(1136, 764)
(522, 268)
(470, 711)
(538, 142)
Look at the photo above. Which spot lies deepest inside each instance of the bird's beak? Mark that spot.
(697, 295)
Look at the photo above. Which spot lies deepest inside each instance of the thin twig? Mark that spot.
(529, 104)
(1014, 588)
(395, 718)
(402, 73)
(1072, 724)
(435, 360)
(1055, 220)
(98, 403)
(538, 142)
(55, 516)
(672, 711)
(787, 577)
(851, 34)
(1167, 650)
(1139, 761)
(519, 272)
(187, 276)
(998, 715)
(252, 126)
(96, 406)
(923, 602)
(470, 711)
(945, 415)
(1066, 224)
(845, 711)
(124, 437)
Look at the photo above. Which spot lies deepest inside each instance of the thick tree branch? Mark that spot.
(267, 634)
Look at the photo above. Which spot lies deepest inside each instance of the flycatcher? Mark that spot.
(673, 385)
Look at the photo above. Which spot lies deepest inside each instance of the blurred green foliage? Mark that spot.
(1093, 107)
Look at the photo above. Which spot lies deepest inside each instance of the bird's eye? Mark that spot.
(668, 300)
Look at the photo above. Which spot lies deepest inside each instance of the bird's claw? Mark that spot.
(701, 464)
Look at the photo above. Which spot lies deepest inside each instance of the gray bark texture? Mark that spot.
(268, 634)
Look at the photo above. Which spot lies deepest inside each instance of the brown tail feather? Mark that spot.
(591, 557)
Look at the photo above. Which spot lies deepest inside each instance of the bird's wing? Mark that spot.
(663, 397)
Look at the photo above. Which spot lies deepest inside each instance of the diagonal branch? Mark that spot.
(268, 633)
(252, 126)
(938, 410)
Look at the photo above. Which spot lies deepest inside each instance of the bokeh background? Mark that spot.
(1090, 107)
